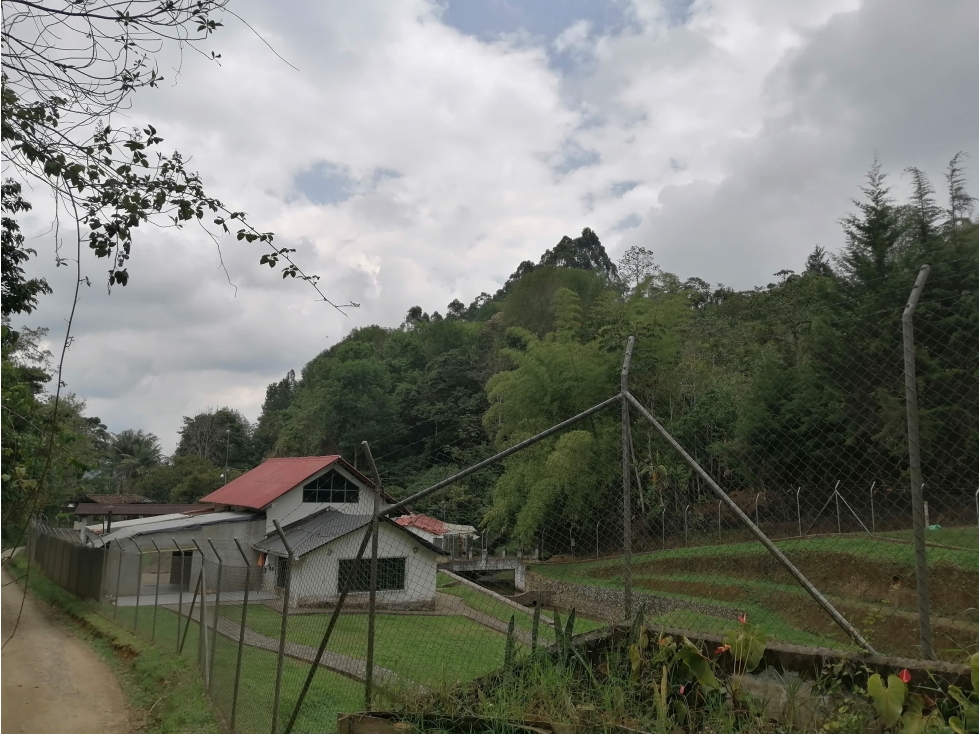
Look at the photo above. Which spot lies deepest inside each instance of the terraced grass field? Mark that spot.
(871, 580)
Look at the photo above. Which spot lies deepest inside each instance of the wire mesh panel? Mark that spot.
(812, 445)
(761, 471)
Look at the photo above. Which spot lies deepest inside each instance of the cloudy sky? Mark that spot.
(419, 150)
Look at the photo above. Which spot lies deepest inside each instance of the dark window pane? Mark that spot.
(309, 495)
(390, 574)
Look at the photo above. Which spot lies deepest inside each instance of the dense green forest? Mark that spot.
(784, 385)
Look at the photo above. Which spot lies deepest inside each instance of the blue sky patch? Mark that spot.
(621, 188)
(327, 183)
(489, 19)
(629, 222)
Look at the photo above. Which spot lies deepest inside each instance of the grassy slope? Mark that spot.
(329, 695)
(765, 597)
(881, 550)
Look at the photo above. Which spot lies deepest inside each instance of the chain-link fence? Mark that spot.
(787, 489)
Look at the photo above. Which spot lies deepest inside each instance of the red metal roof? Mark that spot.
(422, 522)
(271, 479)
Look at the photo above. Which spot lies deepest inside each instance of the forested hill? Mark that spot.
(796, 383)
(769, 387)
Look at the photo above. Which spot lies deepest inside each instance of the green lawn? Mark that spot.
(425, 649)
(330, 693)
(957, 537)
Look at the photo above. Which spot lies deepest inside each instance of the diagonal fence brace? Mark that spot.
(765, 541)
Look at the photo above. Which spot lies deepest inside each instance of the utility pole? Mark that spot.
(227, 454)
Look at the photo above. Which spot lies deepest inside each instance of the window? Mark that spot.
(281, 572)
(390, 574)
(331, 487)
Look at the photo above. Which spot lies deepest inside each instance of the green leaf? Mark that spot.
(888, 700)
(974, 664)
(914, 720)
(698, 665)
(635, 660)
(748, 643)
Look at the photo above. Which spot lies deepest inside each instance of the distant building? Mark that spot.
(454, 539)
(97, 512)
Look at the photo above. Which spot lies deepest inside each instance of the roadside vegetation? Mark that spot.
(660, 683)
(164, 690)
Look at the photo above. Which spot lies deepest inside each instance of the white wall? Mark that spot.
(222, 534)
(314, 578)
(290, 507)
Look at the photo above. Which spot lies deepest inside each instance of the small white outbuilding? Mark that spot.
(324, 547)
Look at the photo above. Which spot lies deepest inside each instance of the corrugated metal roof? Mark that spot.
(172, 523)
(118, 499)
(140, 508)
(433, 525)
(422, 522)
(312, 532)
(321, 528)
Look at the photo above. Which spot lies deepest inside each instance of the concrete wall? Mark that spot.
(315, 574)
(290, 507)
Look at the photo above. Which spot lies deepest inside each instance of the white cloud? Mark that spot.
(734, 138)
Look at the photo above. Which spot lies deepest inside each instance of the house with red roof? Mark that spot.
(291, 488)
(323, 506)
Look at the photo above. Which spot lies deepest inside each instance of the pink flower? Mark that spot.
(683, 688)
(743, 618)
(905, 675)
(722, 648)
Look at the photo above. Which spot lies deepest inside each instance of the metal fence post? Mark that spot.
(686, 529)
(217, 605)
(798, 509)
(836, 494)
(241, 635)
(914, 465)
(202, 629)
(139, 582)
(115, 610)
(626, 488)
(180, 589)
(873, 520)
(282, 630)
(372, 599)
(156, 594)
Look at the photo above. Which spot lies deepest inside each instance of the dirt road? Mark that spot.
(52, 681)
